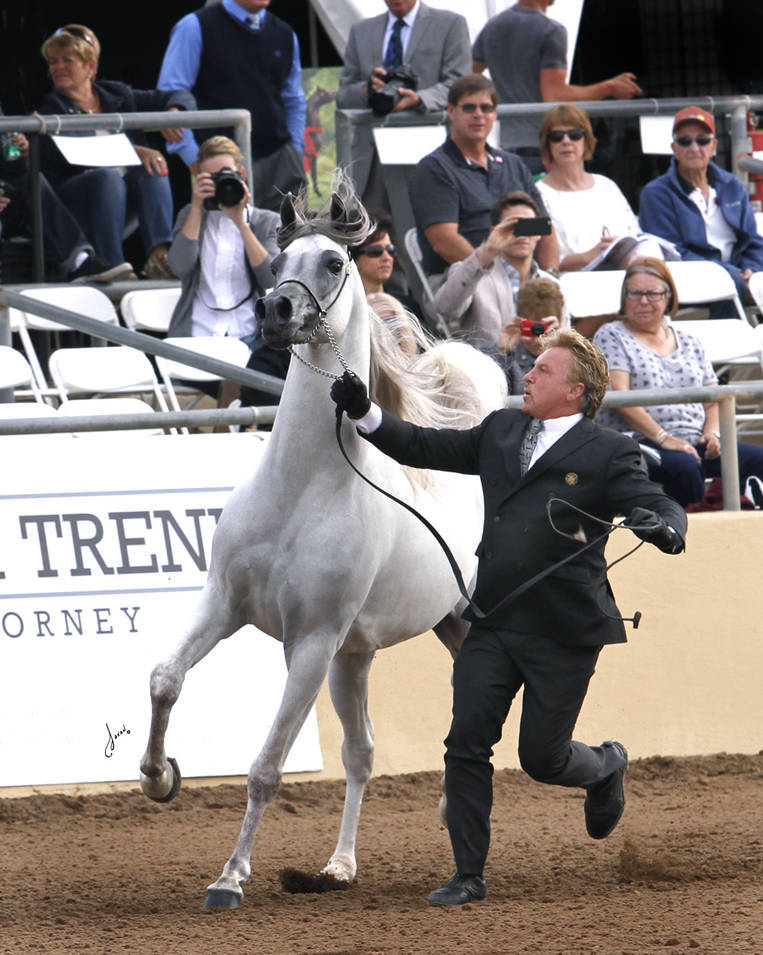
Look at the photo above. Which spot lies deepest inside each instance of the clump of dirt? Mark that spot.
(639, 864)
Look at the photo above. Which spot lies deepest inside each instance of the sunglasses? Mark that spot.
(685, 141)
(473, 107)
(635, 295)
(75, 31)
(375, 251)
(557, 135)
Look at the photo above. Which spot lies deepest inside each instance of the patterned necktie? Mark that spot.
(394, 55)
(529, 440)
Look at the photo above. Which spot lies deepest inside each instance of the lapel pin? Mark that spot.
(570, 478)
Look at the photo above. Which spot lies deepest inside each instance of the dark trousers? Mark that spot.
(683, 477)
(489, 670)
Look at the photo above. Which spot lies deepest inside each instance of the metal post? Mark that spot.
(740, 140)
(38, 248)
(729, 460)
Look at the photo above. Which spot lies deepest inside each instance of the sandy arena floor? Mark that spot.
(116, 873)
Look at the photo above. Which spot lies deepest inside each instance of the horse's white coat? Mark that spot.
(310, 554)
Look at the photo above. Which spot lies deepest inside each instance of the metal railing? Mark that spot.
(54, 124)
(725, 395)
(144, 343)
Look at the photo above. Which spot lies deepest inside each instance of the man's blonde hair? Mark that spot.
(220, 146)
(589, 367)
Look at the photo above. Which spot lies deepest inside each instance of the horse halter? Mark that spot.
(321, 321)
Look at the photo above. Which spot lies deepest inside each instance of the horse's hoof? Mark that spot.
(165, 787)
(222, 899)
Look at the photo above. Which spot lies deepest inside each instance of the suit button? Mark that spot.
(497, 519)
(493, 482)
(489, 555)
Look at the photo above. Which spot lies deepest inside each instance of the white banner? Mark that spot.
(102, 555)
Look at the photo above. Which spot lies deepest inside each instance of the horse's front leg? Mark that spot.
(348, 683)
(308, 662)
(160, 776)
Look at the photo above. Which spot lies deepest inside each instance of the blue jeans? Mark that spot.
(683, 477)
(102, 200)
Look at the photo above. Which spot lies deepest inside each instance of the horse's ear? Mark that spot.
(338, 208)
(288, 212)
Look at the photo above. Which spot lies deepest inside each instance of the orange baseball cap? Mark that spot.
(694, 114)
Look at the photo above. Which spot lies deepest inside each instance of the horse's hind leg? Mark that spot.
(348, 683)
(160, 777)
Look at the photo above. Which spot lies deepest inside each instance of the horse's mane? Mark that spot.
(429, 388)
(342, 217)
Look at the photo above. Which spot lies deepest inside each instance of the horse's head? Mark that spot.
(311, 274)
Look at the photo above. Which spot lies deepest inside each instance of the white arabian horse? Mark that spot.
(309, 553)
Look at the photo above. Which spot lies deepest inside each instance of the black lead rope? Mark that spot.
(518, 591)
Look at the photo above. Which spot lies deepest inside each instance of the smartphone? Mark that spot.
(539, 226)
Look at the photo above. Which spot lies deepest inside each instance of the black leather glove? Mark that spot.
(350, 395)
(650, 527)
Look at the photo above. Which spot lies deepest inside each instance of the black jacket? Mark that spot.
(595, 469)
(115, 98)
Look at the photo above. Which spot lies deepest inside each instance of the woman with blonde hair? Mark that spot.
(102, 197)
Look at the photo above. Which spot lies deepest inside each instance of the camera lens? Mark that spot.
(229, 190)
(537, 328)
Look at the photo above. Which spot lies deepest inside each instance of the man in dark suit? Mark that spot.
(549, 637)
(434, 43)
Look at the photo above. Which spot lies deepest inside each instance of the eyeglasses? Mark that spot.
(473, 107)
(557, 135)
(375, 251)
(76, 32)
(635, 295)
(685, 141)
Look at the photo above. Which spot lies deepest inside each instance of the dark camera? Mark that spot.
(529, 327)
(6, 189)
(537, 226)
(229, 188)
(383, 101)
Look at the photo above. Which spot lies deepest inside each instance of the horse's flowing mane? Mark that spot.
(342, 217)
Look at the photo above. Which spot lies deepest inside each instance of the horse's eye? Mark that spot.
(335, 266)
(273, 268)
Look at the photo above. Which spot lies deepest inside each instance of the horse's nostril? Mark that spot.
(259, 309)
(283, 308)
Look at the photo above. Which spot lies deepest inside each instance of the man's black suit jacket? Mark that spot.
(595, 469)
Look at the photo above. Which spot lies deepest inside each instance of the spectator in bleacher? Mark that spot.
(375, 261)
(61, 232)
(702, 209)
(645, 351)
(102, 198)
(588, 210)
(222, 253)
(526, 53)
(479, 293)
(237, 55)
(453, 188)
(432, 43)
(540, 311)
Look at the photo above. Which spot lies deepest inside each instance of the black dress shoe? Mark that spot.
(605, 802)
(460, 890)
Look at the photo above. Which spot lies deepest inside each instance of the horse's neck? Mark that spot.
(306, 413)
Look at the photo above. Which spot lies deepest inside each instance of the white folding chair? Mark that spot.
(108, 406)
(107, 370)
(756, 286)
(413, 250)
(701, 282)
(149, 310)
(82, 299)
(16, 372)
(592, 293)
(223, 348)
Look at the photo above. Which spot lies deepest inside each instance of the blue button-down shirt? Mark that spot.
(180, 70)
